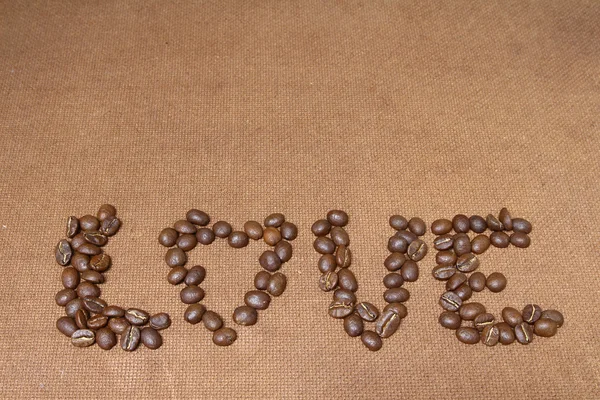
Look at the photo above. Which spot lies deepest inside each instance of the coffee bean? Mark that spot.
(507, 335)
(277, 284)
(511, 316)
(469, 311)
(136, 316)
(105, 211)
(340, 236)
(353, 325)
(499, 239)
(205, 236)
(271, 236)
(477, 281)
(185, 226)
(197, 217)
(443, 272)
(337, 218)
(397, 308)
(367, 311)
(450, 301)
(393, 280)
(194, 313)
(478, 223)
(160, 321)
(444, 242)
(327, 263)
(449, 320)
(195, 276)
(347, 280)
(394, 261)
(80, 262)
(110, 226)
(387, 324)
(100, 262)
(69, 278)
(545, 327)
(288, 231)
(464, 292)
(321, 227)
(417, 226)
(467, 335)
(441, 226)
(462, 244)
(274, 220)
(87, 289)
(408, 236)
(224, 337)
(524, 333)
(212, 321)
(66, 326)
(397, 295)
(328, 281)
(254, 230)
(176, 275)
(446, 257)
(324, 245)
(455, 281)
(187, 241)
(151, 338)
(118, 325)
(81, 317)
(63, 252)
(461, 223)
(410, 271)
(344, 296)
(284, 251)
(397, 245)
(257, 299)
(83, 338)
(94, 304)
(261, 280)
(493, 223)
(130, 339)
(96, 238)
(92, 276)
(340, 309)
(343, 256)
(483, 320)
(505, 219)
(221, 229)
(531, 313)
(417, 250)
(496, 282)
(520, 239)
(521, 225)
(191, 294)
(490, 335)
(175, 257)
(245, 316)
(554, 315)
(106, 339)
(371, 340)
(113, 312)
(72, 226)
(398, 222)
(77, 241)
(89, 223)
(73, 306)
(269, 261)
(480, 244)
(98, 321)
(467, 262)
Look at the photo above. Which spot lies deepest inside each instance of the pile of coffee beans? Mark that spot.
(457, 261)
(187, 233)
(89, 319)
(406, 249)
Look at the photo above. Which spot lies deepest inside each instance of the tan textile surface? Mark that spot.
(246, 108)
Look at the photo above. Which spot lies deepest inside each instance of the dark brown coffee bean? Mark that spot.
(69, 278)
(467, 335)
(130, 339)
(81, 318)
(110, 226)
(344, 296)
(95, 238)
(417, 226)
(545, 327)
(469, 311)
(531, 313)
(394, 261)
(444, 242)
(184, 226)
(441, 226)
(371, 340)
(212, 321)
(284, 251)
(288, 231)
(261, 280)
(340, 309)
(493, 223)
(269, 261)
(105, 211)
(408, 236)
(80, 262)
(254, 230)
(77, 241)
(387, 324)
(490, 335)
(340, 236)
(221, 229)
(324, 245)
(462, 244)
(477, 223)
(224, 337)
(520, 239)
(521, 225)
(97, 322)
(483, 320)
(555, 316)
(450, 301)
(113, 312)
(136, 316)
(63, 252)
(511, 316)
(467, 262)
(353, 325)
(321, 227)
(73, 306)
(194, 313)
(328, 281)
(343, 257)
(88, 289)
(347, 280)
(195, 276)
(443, 272)
(446, 257)
(175, 257)
(461, 223)
(524, 333)
(507, 335)
(327, 263)
(151, 338)
(177, 275)
(277, 284)
(160, 321)
(410, 271)
(397, 295)
(72, 226)
(197, 217)
(337, 218)
(455, 281)
(118, 325)
(367, 311)
(191, 294)
(449, 320)
(89, 223)
(477, 281)
(398, 222)
(245, 316)
(100, 262)
(496, 282)
(271, 236)
(274, 220)
(66, 326)
(92, 276)
(464, 292)
(257, 299)
(397, 245)
(393, 280)
(94, 304)
(480, 244)
(205, 236)
(505, 219)
(397, 308)
(83, 338)
(417, 250)
(106, 339)
(499, 239)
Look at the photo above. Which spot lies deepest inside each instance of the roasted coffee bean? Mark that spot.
(496, 282)
(77, 241)
(490, 335)
(197, 217)
(397, 245)
(205, 236)
(88, 289)
(221, 229)
(461, 223)
(441, 226)
(245, 316)
(449, 320)
(187, 241)
(194, 313)
(80, 262)
(417, 226)
(284, 251)
(277, 284)
(110, 226)
(261, 280)
(462, 244)
(340, 309)
(393, 280)
(92, 276)
(408, 236)
(394, 261)
(72, 306)
(212, 321)
(417, 250)
(524, 333)
(478, 224)
(367, 311)
(511, 316)
(63, 252)
(130, 339)
(447, 257)
(493, 223)
(554, 315)
(456, 280)
(274, 220)
(81, 317)
(97, 322)
(545, 327)
(467, 335)
(480, 244)
(505, 218)
(257, 299)
(410, 271)
(94, 304)
(343, 256)
(450, 301)
(195, 276)
(444, 242)
(185, 226)
(371, 340)
(339, 236)
(397, 308)
(160, 321)
(118, 325)
(397, 295)
(69, 278)
(337, 218)
(191, 294)
(254, 230)
(95, 238)
(520, 239)
(483, 320)
(83, 338)
(100, 262)
(531, 313)
(106, 339)
(150, 338)
(72, 226)
(328, 281)
(469, 311)
(347, 280)
(269, 261)
(499, 239)
(477, 281)
(324, 245)
(224, 337)
(176, 275)
(467, 262)
(464, 292)
(66, 326)
(327, 263)
(507, 335)
(443, 272)
(344, 296)
(113, 312)
(398, 222)
(321, 227)
(175, 257)
(521, 225)
(353, 325)
(271, 236)
(89, 223)
(288, 231)
(387, 324)
(136, 316)
(105, 211)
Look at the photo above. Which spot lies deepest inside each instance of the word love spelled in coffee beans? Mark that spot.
(89, 319)
(406, 249)
(185, 235)
(457, 261)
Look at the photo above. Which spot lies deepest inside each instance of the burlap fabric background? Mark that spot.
(248, 108)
